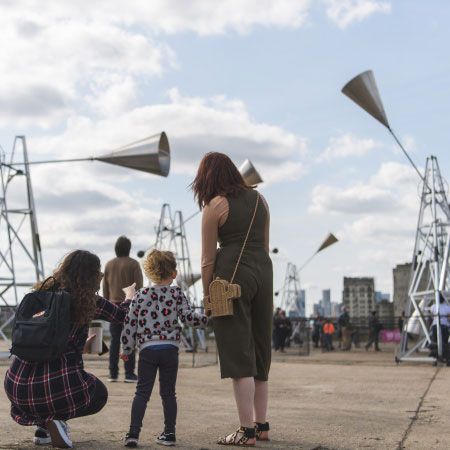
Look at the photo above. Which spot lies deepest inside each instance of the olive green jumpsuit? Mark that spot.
(244, 339)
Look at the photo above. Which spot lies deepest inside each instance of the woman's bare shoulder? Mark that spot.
(217, 202)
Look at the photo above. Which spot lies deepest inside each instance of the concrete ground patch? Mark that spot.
(328, 401)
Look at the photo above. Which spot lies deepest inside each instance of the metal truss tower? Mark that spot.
(430, 268)
(21, 263)
(291, 299)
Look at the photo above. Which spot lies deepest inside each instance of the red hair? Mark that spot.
(217, 175)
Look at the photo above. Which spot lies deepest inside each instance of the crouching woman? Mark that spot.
(47, 394)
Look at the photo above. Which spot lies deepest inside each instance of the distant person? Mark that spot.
(374, 331)
(316, 332)
(156, 334)
(444, 313)
(120, 272)
(345, 329)
(328, 331)
(275, 317)
(287, 331)
(282, 327)
(49, 393)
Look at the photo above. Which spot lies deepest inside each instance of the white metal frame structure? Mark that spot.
(430, 268)
(19, 236)
(291, 292)
(431, 250)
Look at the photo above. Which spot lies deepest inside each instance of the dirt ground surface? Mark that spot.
(326, 401)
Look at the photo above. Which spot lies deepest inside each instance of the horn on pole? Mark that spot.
(249, 173)
(151, 155)
(363, 90)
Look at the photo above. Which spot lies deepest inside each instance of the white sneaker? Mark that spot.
(60, 434)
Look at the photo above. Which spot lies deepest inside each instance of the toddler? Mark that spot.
(153, 327)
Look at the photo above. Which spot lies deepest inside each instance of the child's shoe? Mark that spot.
(167, 439)
(131, 440)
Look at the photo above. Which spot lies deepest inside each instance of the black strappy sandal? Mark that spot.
(262, 431)
(241, 437)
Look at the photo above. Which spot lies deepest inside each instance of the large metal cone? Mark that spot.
(364, 92)
(189, 281)
(151, 155)
(330, 240)
(249, 173)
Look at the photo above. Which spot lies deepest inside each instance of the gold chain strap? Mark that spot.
(246, 238)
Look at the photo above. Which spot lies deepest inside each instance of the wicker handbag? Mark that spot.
(222, 292)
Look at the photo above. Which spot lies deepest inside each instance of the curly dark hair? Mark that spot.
(78, 273)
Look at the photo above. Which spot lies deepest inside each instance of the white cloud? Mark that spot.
(172, 16)
(388, 191)
(347, 145)
(378, 218)
(346, 12)
(194, 126)
(49, 64)
(358, 199)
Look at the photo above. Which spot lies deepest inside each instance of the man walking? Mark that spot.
(120, 272)
(374, 330)
(328, 331)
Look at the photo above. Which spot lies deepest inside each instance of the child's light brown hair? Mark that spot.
(159, 265)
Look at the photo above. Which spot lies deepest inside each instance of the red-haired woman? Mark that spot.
(46, 394)
(243, 339)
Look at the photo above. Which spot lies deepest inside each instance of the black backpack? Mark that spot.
(42, 325)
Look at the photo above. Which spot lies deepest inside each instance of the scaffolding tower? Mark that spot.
(429, 269)
(291, 300)
(21, 263)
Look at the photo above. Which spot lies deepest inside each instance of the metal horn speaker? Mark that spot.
(249, 173)
(151, 155)
(364, 92)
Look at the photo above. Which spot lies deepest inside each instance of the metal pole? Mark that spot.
(436, 257)
(37, 251)
(91, 158)
(406, 154)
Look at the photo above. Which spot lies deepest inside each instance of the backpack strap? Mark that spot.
(45, 281)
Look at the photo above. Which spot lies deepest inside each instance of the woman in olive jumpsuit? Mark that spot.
(243, 339)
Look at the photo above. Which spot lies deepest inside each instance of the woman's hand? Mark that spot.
(123, 357)
(87, 345)
(130, 291)
(205, 305)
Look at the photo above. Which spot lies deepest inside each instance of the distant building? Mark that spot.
(359, 296)
(401, 274)
(317, 310)
(326, 302)
(385, 311)
(381, 296)
(336, 309)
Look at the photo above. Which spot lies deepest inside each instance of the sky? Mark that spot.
(255, 79)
